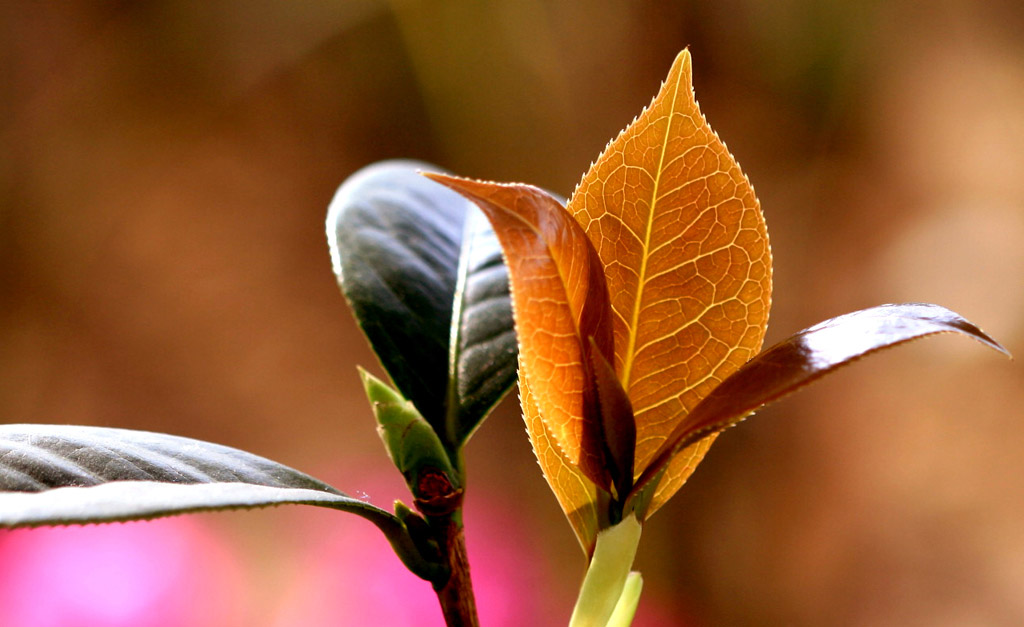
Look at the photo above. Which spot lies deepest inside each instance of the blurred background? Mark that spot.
(165, 169)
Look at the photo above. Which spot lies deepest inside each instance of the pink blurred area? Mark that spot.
(349, 576)
(165, 169)
(156, 574)
(334, 569)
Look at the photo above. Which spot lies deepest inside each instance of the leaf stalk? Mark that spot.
(606, 580)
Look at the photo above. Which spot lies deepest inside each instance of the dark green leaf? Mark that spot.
(59, 474)
(485, 362)
(419, 270)
(805, 357)
(34, 458)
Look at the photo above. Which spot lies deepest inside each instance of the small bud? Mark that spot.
(415, 449)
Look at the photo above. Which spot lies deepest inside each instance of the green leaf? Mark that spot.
(803, 358)
(60, 474)
(423, 274)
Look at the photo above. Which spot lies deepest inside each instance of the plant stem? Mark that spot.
(625, 609)
(456, 595)
(606, 578)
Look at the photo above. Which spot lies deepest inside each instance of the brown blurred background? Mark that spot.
(165, 169)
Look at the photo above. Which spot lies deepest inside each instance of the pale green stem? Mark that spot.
(625, 609)
(606, 577)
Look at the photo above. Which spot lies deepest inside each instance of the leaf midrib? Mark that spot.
(627, 365)
(452, 403)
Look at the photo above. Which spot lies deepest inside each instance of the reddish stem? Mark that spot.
(456, 596)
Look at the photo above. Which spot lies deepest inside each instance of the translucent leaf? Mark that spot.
(679, 469)
(559, 304)
(576, 494)
(686, 257)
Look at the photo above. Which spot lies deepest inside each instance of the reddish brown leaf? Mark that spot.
(617, 424)
(686, 257)
(805, 357)
(559, 302)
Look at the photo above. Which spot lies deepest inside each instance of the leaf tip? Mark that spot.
(994, 345)
(456, 183)
(682, 63)
(989, 341)
(469, 188)
(371, 383)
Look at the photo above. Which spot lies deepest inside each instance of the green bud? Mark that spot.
(419, 530)
(415, 449)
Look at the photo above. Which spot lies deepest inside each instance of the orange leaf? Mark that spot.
(576, 494)
(679, 468)
(686, 256)
(559, 302)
